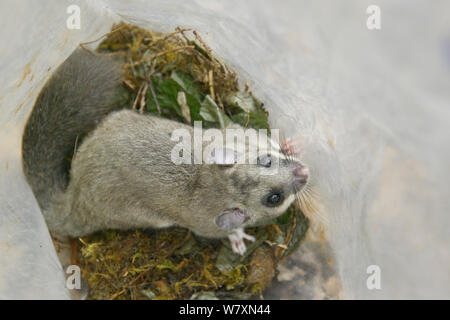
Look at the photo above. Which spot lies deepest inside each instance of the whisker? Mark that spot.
(308, 202)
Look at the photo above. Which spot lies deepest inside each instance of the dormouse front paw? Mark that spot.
(237, 241)
(287, 147)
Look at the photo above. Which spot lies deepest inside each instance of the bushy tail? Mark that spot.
(81, 92)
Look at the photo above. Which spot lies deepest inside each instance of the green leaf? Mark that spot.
(299, 231)
(285, 217)
(148, 293)
(188, 247)
(194, 106)
(204, 295)
(188, 86)
(256, 120)
(166, 91)
(244, 100)
(211, 112)
(226, 259)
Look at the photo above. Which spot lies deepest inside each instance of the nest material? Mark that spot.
(177, 76)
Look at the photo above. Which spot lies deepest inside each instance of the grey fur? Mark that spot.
(122, 175)
(79, 94)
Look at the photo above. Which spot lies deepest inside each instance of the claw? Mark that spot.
(237, 241)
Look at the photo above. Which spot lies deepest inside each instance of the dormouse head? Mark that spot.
(263, 177)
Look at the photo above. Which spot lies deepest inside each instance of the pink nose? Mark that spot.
(301, 174)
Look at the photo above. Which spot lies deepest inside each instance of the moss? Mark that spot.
(173, 263)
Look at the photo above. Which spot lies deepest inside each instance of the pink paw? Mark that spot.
(237, 241)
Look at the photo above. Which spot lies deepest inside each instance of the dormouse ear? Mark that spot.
(231, 219)
(223, 156)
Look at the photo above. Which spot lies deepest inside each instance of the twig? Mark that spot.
(133, 70)
(76, 145)
(167, 36)
(82, 44)
(115, 295)
(289, 235)
(179, 245)
(183, 35)
(129, 84)
(211, 84)
(205, 47)
(156, 56)
(137, 278)
(152, 90)
(140, 97)
(150, 82)
(248, 119)
(219, 101)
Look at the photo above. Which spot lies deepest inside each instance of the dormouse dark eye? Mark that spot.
(265, 161)
(274, 199)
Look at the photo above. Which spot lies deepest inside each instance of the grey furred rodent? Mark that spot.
(122, 175)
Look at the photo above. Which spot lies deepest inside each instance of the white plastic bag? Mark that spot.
(371, 107)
